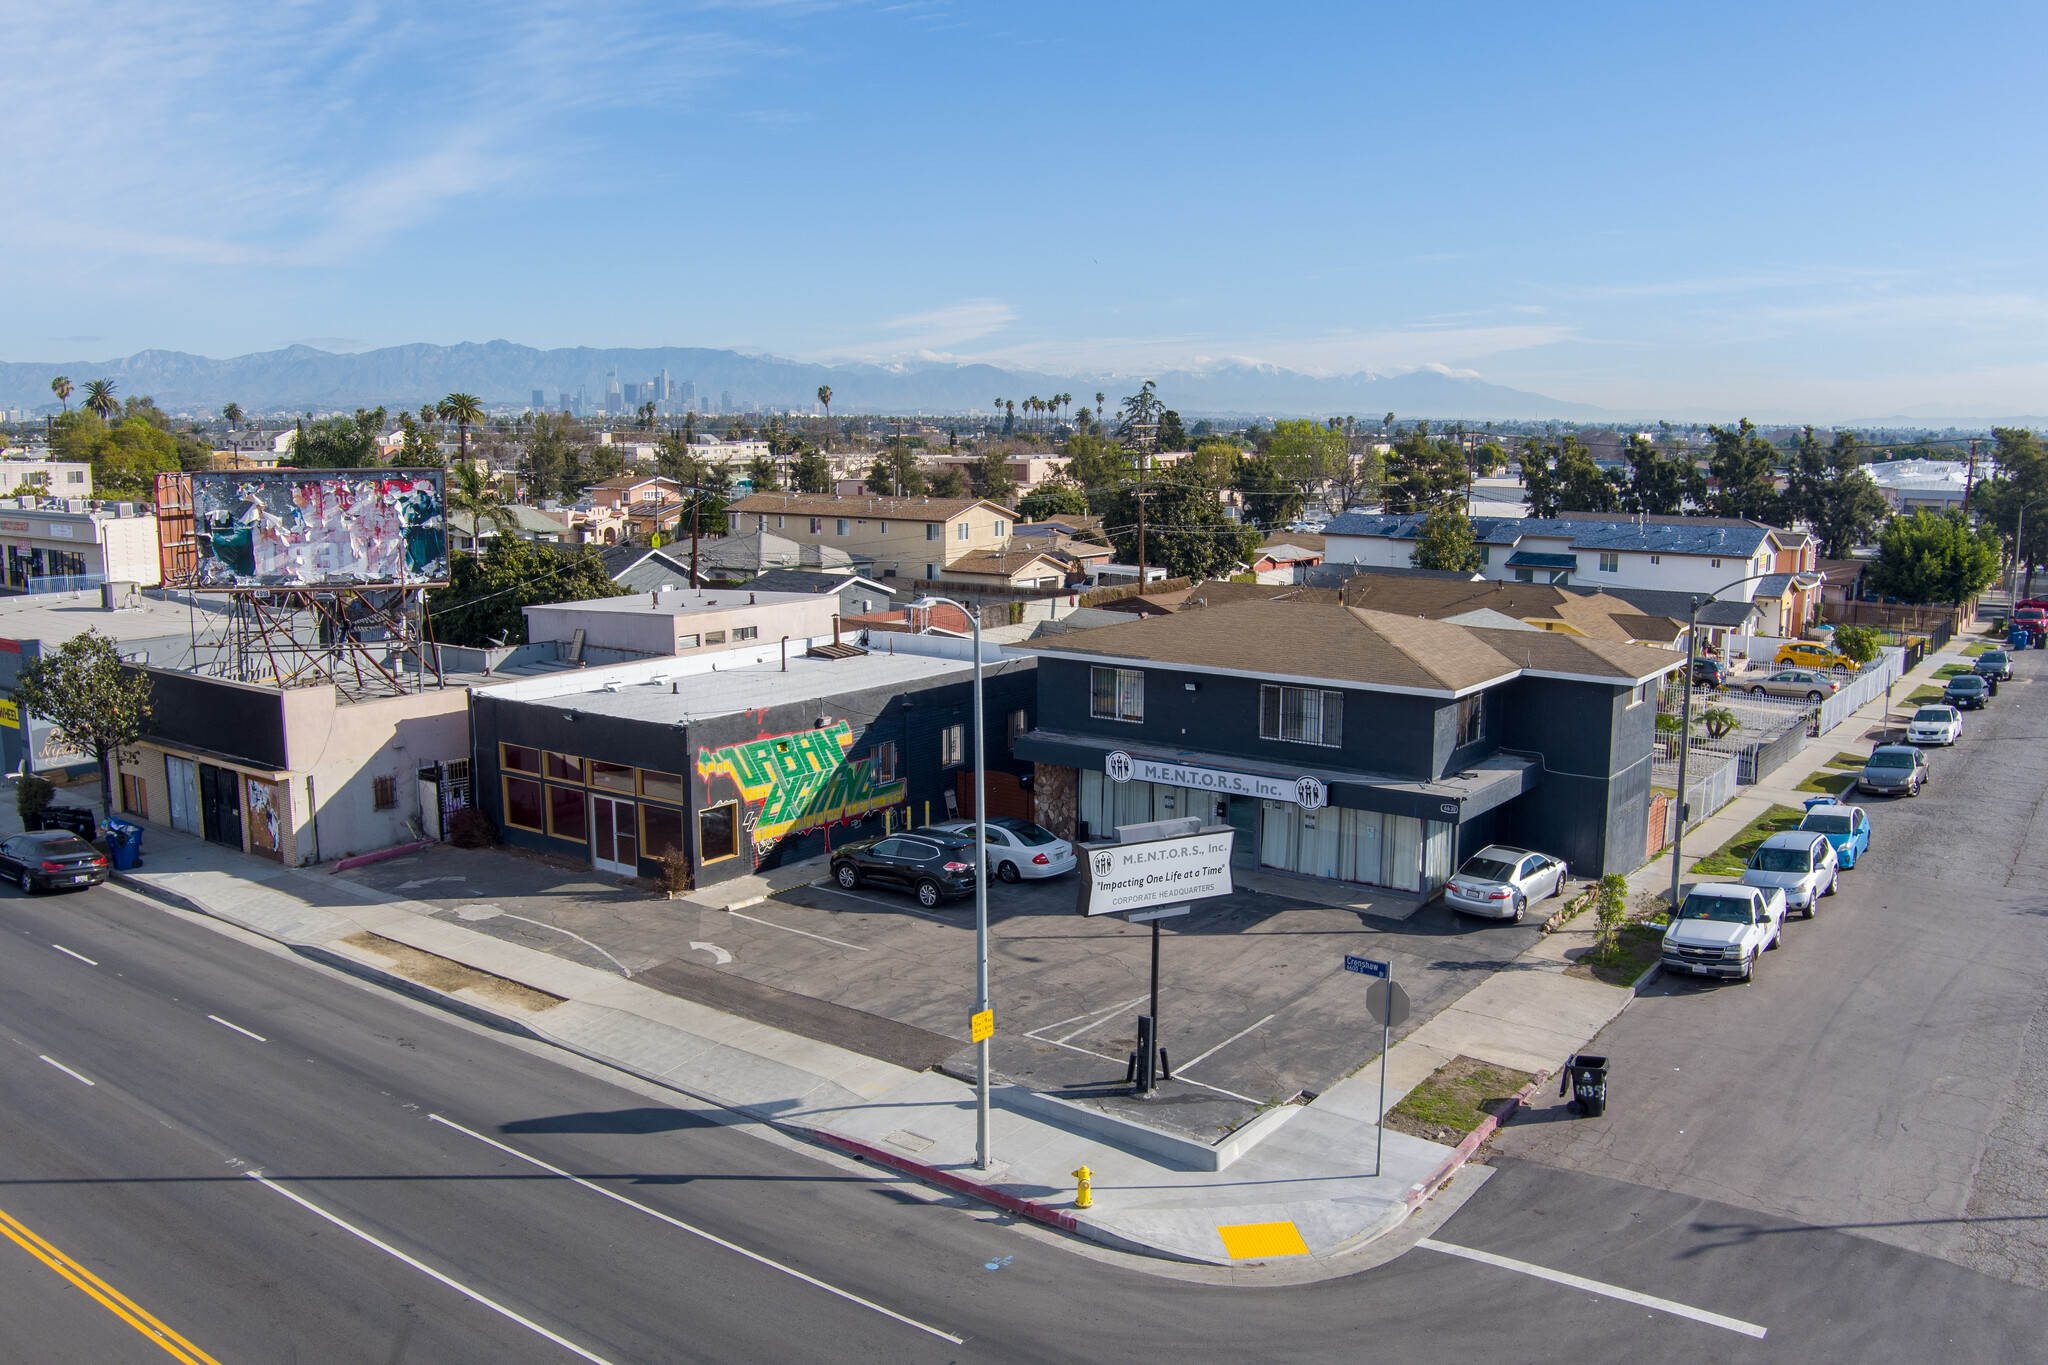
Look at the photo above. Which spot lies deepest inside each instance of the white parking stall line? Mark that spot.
(805, 932)
(1101, 1016)
(1612, 1291)
(886, 905)
(237, 1028)
(80, 956)
(66, 1070)
(427, 1270)
(712, 1238)
(1181, 1070)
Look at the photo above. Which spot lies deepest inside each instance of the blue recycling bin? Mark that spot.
(124, 844)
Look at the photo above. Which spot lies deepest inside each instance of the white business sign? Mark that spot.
(1122, 877)
(1307, 792)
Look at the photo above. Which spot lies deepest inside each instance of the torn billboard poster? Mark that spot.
(310, 528)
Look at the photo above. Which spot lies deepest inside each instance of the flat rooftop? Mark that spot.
(680, 601)
(661, 691)
(55, 617)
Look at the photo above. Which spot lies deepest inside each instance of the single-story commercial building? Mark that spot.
(745, 762)
(1347, 743)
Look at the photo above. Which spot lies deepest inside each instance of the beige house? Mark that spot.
(683, 620)
(1016, 568)
(913, 538)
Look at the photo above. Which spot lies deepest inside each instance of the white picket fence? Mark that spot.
(1861, 689)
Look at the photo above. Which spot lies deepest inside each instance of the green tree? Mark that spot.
(1186, 532)
(1933, 557)
(463, 409)
(989, 476)
(125, 457)
(99, 396)
(2023, 478)
(481, 604)
(94, 702)
(896, 471)
(825, 401)
(61, 386)
(1561, 477)
(1308, 452)
(472, 495)
(1745, 468)
(1445, 542)
(232, 415)
(1172, 435)
(1858, 642)
(948, 482)
(1272, 496)
(1095, 463)
(545, 466)
(422, 449)
(811, 472)
(1141, 413)
(338, 442)
(1659, 484)
(1423, 474)
(1056, 497)
(762, 475)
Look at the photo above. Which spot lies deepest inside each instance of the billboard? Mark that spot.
(314, 528)
(1119, 878)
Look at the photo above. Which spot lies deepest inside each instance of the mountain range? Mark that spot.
(301, 378)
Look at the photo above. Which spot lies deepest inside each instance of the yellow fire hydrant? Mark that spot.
(1084, 1196)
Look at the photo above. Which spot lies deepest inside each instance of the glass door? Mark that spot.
(614, 837)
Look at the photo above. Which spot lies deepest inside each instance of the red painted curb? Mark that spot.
(1010, 1203)
(381, 854)
(1448, 1167)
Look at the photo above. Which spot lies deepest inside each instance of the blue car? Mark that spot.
(1847, 828)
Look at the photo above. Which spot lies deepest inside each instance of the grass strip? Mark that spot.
(1455, 1099)
(1732, 857)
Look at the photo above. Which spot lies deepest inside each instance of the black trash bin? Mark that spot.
(79, 821)
(1586, 1076)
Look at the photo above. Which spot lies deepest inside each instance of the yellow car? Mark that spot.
(1807, 655)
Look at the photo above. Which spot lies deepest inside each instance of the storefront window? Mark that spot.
(523, 804)
(611, 776)
(564, 768)
(718, 832)
(662, 786)
(662, 831)
(565, 813)
(518, 758)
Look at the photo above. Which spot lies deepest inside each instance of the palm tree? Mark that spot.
(825, 397)
(1098, 405)
(462, 409)
(477, 498)
(61, 386)
(233, 414)
(99, 396)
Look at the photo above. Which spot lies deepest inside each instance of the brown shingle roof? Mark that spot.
(1003, 562)
(895, 509)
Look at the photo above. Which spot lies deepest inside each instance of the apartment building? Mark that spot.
(904, 538)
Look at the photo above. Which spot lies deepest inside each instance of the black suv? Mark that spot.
(932, 864)
(1707, 672)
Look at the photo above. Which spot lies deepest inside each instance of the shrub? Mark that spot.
(675, 873)
(1610, 908)
(1667, 724)
(471, 828)
(1858, 642)
(1719, 721)
(33, 795)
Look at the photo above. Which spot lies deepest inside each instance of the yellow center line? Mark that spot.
(108, 1297)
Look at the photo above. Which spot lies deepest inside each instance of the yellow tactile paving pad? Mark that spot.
(1245, 1240)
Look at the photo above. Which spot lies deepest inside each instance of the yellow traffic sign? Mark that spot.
(980, 1026)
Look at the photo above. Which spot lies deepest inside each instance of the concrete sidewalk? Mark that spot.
(1292, 1182)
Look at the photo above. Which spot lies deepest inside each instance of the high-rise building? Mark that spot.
(662, 392)
(688, 394)
(565, 403)
(725, 400)
(540, 400)
(614, 398)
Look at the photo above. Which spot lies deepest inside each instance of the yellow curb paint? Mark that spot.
(1246, 1240)
(105, 1294)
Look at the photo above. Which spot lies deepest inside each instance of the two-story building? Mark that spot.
(671, 620)
(1671, 553)
(904, 538)
(1347, 743)
(67, 544)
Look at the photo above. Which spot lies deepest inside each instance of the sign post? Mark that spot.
(1153, 879)
(1388, 1003)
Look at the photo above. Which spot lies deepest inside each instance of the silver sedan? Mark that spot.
(1499, 882)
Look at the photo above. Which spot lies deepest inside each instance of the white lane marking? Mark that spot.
(1102, 1017)
(572, 934)
(718, 954)
(66, 1070)
(805, 932)
(1226, 1043)
(237, 1028)
(836, 890)
(427, 881)
(713, 1238)
(80, 956)
(1748, 1329)
(428, 1270)
(1176, 1075)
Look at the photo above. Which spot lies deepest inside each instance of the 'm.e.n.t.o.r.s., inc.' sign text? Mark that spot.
(1190, 867)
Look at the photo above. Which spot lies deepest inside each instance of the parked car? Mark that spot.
(1499, 882)
(1935, 725)
(1801, 863)
(1994, 663)
(47, 859)
(931, 865)
(1894, 769)
(1797, 684)
(1722, 928)
(1709, 672)
(1846, 827)
(1807, 654)
(1966, 691)
(2033, 620)
(1018, 849)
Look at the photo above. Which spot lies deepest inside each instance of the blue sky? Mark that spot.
(1834, 208)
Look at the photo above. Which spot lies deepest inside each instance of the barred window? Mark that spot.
(384, 791)
(1117, 694)
(1301, 715)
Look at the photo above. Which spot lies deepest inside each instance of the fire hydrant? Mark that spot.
(1083, 1196)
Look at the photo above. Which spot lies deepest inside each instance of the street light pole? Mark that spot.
(2019, 542)
(981, 1000)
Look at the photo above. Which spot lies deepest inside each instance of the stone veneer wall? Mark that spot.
(1058, 794)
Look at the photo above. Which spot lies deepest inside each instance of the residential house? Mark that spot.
(1284, 563)
(736, 558)
(903, 538)
(856, 595)
(1350, 744)
(640, 569)
(1016, 569)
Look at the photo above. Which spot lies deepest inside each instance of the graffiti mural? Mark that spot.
(800, 781)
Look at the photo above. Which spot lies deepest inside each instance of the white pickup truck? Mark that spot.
(1722, 928)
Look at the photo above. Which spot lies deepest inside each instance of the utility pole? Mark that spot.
(1970, 478)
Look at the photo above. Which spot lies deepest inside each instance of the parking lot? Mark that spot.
(1255, 1004)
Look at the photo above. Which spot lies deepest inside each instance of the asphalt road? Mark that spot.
(1887, 1072)
(351, 1104)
